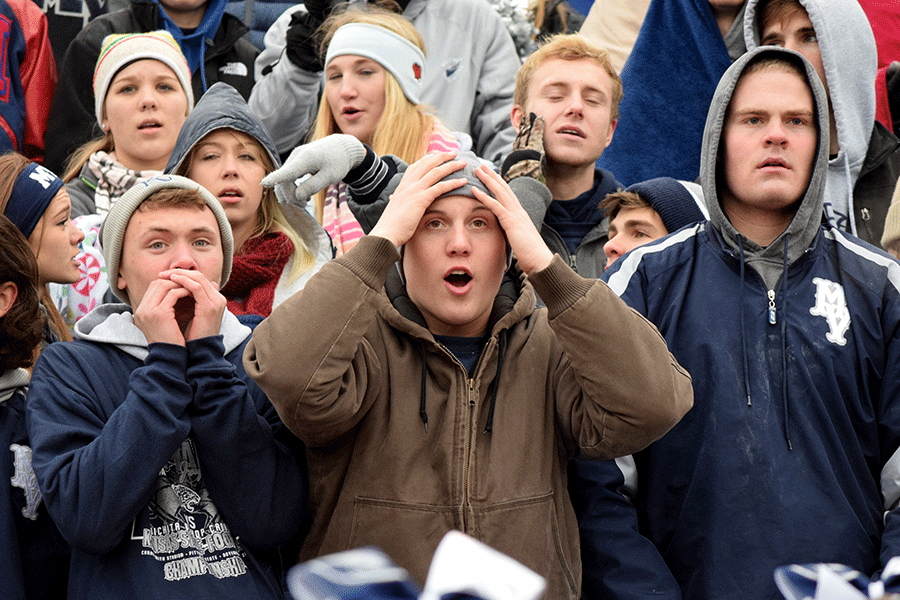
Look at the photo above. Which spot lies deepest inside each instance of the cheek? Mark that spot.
(332, 94)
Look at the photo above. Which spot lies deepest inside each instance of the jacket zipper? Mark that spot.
(864, 214)
(772, 315)
(470, 409)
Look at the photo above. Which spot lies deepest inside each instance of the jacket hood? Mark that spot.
(850, 61)
(11, 381)
(805, 224)
(221, 107)
(114, 324)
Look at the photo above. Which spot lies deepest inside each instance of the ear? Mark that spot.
(612, 130)
(122, 285)
(8, 294)
(516, 116)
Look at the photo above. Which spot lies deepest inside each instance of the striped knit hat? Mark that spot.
(120, 50)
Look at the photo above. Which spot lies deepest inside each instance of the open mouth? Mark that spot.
(571, 131)
(230, 195)
(350, 111)
(458, 278)
(150, 125)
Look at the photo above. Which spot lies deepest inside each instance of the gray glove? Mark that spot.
(326, 161)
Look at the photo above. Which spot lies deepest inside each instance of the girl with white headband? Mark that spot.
(373, 72)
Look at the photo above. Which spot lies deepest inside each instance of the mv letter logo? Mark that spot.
(24, 478)
(831, 304)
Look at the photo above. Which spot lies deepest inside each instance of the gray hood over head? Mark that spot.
(221, 107)
(850, 61)
(768, 261)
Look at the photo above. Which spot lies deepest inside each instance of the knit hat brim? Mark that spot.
(119, 51)
(112, 232)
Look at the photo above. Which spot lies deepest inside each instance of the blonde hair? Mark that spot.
(269, 216)
(83, 154)
(403, 126)
(568, 47)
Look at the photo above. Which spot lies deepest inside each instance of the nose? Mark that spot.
(613, 249)
(75, 234)
(576, 106)
(148, 98)
(348, 88)
(183, 257)
(775, 133)
(459, 242)
(229, 165)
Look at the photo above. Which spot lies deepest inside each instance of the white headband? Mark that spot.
(399, 56)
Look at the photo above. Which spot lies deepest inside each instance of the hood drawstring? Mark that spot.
(489, 427)
(423, 413)
(740, 239)
(784, 371)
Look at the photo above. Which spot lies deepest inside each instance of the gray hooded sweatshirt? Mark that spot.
(770, 261)
(850, 60)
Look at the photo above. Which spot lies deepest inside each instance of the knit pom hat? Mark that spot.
(892, 221)
(675, 205)
(112, 232)
(120, 50)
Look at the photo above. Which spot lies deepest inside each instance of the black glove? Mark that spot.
(320, 9)
(302, 49)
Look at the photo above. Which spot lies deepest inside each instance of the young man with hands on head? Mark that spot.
(433, 395)
(164, 465)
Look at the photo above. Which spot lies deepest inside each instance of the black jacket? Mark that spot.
(875, 184)
(72, 121)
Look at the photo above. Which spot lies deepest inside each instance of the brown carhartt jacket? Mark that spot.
(356, 375)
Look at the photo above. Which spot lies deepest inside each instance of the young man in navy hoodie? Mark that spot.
(165, 466)
(791, 330)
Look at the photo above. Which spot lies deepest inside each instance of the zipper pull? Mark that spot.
(771, 294)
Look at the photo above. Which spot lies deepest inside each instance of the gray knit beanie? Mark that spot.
(112, 232)
(467, 172)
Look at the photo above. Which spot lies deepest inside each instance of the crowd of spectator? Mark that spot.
(612, 287)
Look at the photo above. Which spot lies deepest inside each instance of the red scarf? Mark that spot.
(255, 274)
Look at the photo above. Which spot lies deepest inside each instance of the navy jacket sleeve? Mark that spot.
(248, 457)
(889, 428)
(617, 561)
(101, 430)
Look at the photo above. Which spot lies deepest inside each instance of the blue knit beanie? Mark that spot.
(675, 205)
